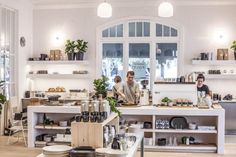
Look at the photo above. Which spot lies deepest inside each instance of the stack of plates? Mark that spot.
(56, 151)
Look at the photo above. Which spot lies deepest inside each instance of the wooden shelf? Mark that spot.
(48, 127)
(109, 119)
(58, 76)
(185, 131)
(58, 62)
(185, 148)
(180, 131)
(214, 62)
(220, 76)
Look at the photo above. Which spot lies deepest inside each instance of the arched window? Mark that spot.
(149, 47)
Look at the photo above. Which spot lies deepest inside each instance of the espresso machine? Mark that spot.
(144, 94)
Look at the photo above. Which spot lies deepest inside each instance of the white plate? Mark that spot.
(57, 148)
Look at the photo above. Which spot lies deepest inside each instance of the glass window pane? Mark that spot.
(146, 29)
(132, 29)
(120, 30)
(112, 61)
(166, 31)
(113, 31)
(158, 30)
(105, 33)
(174, 32)
(166, 60)
(139, 60)
(139, 30)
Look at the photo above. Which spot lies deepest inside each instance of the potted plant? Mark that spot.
(101, 86)
(234, 48)
(81, 47)
(166, 101)
(70, 49)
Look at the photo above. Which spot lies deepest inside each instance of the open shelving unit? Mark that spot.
(206, 140)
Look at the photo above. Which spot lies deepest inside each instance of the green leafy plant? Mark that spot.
(101, 86)
(70, 46)
(112, 102)
(166, 99)
(233, 45)
(81, 46)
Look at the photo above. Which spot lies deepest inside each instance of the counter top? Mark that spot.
(152, 110)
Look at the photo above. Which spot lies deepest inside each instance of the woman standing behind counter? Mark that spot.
(202, 89)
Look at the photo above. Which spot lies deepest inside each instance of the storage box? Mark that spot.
(222, 54)
(57, 54)
(52, 55)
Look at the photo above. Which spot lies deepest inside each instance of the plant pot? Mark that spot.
(234, 55)
(79, 56)
(71, 56)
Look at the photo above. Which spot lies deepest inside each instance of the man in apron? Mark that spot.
(129, 90)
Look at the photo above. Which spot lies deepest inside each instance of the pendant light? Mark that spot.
(165, 9)
(104, 10)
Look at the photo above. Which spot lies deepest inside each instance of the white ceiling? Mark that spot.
(40, 4)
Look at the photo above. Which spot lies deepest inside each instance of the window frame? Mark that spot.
(152, 40)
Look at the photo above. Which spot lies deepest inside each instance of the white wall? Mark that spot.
(24, 10)
(198, 22)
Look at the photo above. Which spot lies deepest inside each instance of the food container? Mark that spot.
(47, 138)
(161, 141)
(192, 126)
(63, 123)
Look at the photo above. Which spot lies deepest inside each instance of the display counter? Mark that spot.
(209, 140)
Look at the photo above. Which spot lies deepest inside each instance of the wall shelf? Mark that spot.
(214, 62)
(83, 62)
(57, 76)
(220, 76)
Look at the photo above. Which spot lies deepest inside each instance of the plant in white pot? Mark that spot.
(81, 47)
(70, 49)
(233, 47)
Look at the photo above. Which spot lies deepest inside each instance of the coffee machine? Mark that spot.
(144, 94)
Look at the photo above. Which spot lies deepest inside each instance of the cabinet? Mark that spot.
(91, 134)
(211, 140)
(57, 113)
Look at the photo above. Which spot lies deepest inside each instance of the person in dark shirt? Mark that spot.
(202, 89)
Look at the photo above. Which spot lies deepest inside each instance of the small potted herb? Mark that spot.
(70, 49)
(167, 101)
(233, 47)
(81, 47)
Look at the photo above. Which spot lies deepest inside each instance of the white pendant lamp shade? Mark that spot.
(104, 10)
(165, 9)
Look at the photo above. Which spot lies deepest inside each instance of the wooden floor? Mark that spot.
(18, 150)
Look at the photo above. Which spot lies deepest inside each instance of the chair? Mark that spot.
(18, 122)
